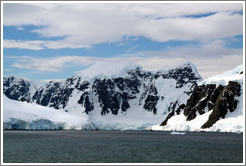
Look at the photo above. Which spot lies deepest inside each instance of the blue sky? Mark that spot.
(42, 42)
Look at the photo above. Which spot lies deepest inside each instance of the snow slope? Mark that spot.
(223, 79)
(106, 69)
(233, 121)
(23, 115)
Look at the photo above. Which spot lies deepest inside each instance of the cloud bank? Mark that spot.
(83, 25)
(211, 59)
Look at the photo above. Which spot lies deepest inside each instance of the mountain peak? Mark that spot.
(107, 69)
(189, 64)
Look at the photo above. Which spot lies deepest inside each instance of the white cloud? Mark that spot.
(40, 44)
(211, 67)
(56, 64)
(83, 25)
(20, 28)
(31, 45)
(207, 50)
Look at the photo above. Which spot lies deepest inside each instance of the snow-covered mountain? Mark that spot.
(121, 97)
(216, 104)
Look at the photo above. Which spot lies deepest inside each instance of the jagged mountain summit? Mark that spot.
(216, 104)
(126, 97)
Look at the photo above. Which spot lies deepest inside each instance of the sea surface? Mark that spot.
(121, 147)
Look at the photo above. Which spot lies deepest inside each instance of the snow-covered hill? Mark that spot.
(122, 98)
(216, 104)
(23, 115)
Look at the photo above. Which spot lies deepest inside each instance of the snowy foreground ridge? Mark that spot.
(232, 122)
(127, 99)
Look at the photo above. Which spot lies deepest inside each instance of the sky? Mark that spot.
(52, 41)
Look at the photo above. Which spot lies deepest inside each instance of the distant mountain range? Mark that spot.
(129, 98)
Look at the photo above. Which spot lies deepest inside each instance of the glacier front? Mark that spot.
(30, 116)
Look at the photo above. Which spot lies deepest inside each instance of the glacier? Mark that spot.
(30, 116)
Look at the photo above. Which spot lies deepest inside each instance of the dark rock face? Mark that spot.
(16, 88)
(53, 94)
(181, 75)
(202, 96)
(108, 97)
(151, 100)
(225, 101)
(113, 95)
(180, 107)
(213, 97)
(86, 102)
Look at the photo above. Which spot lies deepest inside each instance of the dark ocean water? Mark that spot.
(120, 147)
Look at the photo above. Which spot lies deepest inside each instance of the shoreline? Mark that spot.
(164, 131)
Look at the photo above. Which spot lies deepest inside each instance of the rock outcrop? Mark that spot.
(219, 99)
